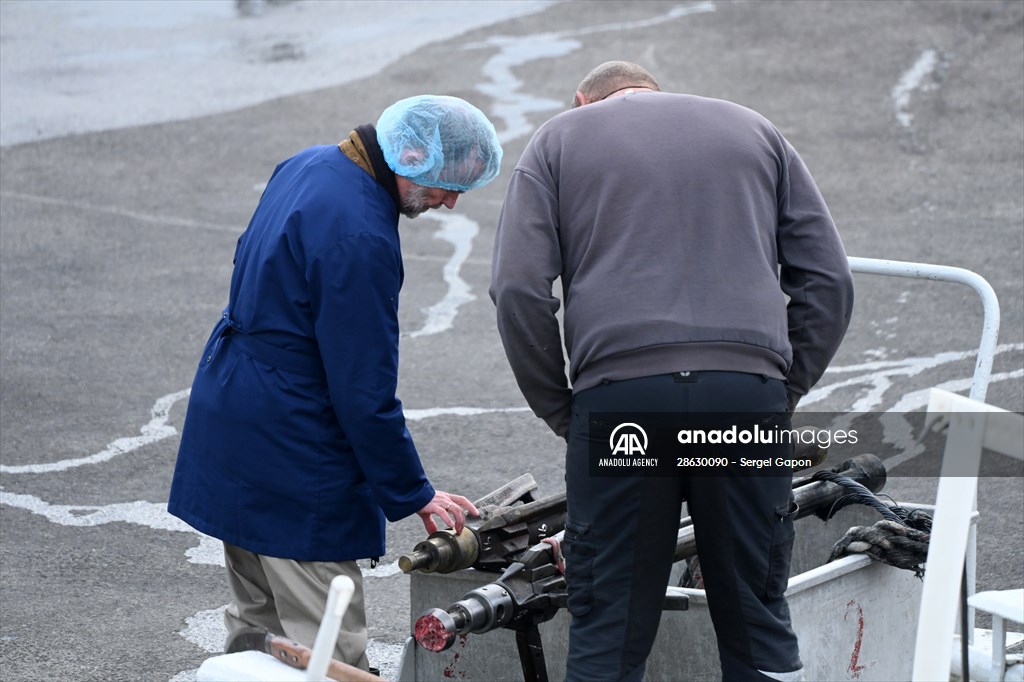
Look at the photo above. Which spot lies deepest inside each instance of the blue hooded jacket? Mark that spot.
(294, 443)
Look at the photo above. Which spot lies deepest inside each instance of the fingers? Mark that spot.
(439, 506)
(464, 504)
(457, 516)
(451, 512)
(428, 522)
(451, 509)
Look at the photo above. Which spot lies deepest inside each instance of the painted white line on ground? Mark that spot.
(430, 412)
(877, 376)
(512, 106)
(140, 513)
(381, 571)
(157, 429)
(911, 80)
(206, 630)
(458, 230)
(898, 432)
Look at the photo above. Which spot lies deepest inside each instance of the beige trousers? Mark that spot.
(288, 598)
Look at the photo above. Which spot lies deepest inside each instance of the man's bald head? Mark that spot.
(612, 77)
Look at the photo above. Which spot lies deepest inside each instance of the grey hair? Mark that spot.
(614, 76)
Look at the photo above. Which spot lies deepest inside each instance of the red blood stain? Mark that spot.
(449, 670)
(430, 633)
(855, 669)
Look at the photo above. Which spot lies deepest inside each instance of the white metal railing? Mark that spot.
(945, 273)
(982, 367)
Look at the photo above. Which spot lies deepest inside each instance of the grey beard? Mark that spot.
(415, 202)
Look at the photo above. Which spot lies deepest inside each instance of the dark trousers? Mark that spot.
(621, 534)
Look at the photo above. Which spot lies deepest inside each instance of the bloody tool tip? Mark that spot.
(435, 630)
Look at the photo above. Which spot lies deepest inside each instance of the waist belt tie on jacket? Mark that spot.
(304, 362)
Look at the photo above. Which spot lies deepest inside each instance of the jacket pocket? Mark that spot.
(781, 552)
(579, 567)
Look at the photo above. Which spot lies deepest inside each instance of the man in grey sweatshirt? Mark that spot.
(701, 272)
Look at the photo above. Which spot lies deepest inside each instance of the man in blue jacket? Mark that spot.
(294, 449)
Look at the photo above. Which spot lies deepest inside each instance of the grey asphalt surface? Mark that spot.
(116, 247)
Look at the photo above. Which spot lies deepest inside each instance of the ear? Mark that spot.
(411, 158)
(580, 99)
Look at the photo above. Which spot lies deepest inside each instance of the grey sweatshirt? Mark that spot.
(678, 225)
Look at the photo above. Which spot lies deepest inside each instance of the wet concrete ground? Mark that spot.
(115, 254)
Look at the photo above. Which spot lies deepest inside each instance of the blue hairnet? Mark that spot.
(439, 141)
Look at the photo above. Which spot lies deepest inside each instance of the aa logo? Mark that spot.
(628, 439)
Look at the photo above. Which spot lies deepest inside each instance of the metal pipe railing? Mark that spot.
(982, 368)
(945, 273)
